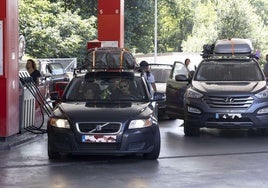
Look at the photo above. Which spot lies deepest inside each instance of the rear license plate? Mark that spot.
(99, 138)
(228, 116)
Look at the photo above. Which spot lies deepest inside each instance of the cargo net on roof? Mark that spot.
(109, 59)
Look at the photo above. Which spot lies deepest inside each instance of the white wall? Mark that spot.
(169, 58)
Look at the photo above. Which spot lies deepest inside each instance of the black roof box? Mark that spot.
(110, 58)
(235, 46)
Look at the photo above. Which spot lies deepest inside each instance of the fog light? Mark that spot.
(194, 110)
(263, 111)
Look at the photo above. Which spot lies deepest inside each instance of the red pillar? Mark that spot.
(9, 79)
(111, 21)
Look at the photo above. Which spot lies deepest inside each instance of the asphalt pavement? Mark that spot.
(229, 158)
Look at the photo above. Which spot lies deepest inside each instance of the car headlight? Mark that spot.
(60, 123)
(190, 93)
(140, 123)
(262, 94)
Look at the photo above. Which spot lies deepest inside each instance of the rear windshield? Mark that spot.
(107, 89)
(229, 71)
(161, 74)
(55, 69)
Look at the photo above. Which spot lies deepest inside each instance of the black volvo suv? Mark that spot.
(107, 110)
(228, 90)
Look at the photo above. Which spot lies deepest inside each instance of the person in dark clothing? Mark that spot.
(32, 70)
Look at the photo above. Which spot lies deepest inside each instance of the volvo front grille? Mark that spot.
(98, 127)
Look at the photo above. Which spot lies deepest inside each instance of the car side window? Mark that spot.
(48, 69)
(179, 68)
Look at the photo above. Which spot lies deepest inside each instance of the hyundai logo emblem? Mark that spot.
(229, 100)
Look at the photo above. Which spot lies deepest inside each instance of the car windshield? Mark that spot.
(228, 71)
(107, 88)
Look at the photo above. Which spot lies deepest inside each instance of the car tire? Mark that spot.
(52, 154)
(154, 154)
(190, 131)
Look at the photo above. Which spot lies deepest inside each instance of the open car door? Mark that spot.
(175, 90)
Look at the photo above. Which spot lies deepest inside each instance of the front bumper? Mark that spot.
(127, 142)
(210, 120)
(226, 118)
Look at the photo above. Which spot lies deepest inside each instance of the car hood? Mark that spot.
(237, 87)
(84, 111)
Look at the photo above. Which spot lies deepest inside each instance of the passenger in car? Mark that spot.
(92, 91)
(112, 90)
(124, 87)
(89, 94)
(125, 91)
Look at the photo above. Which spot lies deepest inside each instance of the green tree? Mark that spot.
(139, 25)
(175, 22)
(204, 29)
(84, 8)
(226, 19)
(60, 28)
(261, 9)
(52, 32)
(238, 19)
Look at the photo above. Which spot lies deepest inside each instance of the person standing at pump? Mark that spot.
(32, 70)
(147, 74)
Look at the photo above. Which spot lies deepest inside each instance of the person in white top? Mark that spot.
(189, 66)
(187, 62)
(147, 74)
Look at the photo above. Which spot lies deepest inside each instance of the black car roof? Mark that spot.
(104, 73)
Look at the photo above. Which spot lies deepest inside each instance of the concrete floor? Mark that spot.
(231, 158)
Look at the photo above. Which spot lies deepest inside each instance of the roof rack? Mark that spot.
(229, 48)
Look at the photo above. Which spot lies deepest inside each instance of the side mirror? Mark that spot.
(181, 77)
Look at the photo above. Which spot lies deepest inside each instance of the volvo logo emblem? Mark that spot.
(98, 128)
(229, 100)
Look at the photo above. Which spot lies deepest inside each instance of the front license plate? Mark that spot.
(228, 116)
(99, 138)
